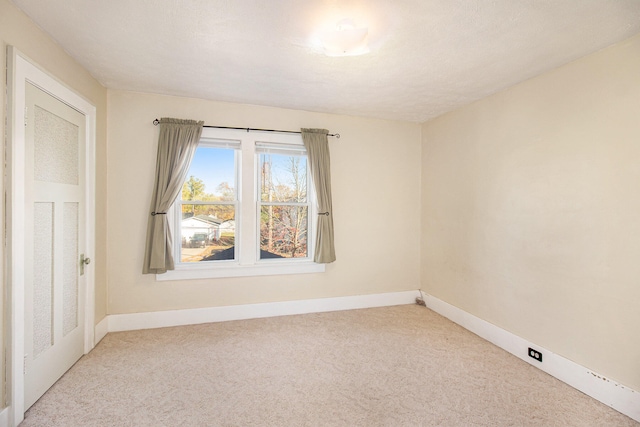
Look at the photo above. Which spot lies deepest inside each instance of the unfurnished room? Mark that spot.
(320, 213)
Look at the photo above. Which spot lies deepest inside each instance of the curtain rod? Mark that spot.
(337, 135)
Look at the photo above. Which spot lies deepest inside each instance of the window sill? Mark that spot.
(188, 272)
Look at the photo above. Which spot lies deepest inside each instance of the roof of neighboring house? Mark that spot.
(208, 219)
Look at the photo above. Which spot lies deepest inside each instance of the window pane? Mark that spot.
(283, 178)
(283, 232)
(208, 233)
(212, 175)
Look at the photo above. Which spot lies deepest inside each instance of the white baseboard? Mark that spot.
(162, 319)
(101, 330)
(621, 398)
(4, 417)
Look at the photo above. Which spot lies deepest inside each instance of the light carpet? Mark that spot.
(391, 366)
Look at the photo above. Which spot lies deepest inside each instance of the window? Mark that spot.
(283, 202)
(245, 208)
(208, 204)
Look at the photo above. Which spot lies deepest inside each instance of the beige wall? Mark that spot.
(375, 175)
(531, 210)
(18, 30)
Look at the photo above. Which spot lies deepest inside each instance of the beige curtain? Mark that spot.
(317, 145)
(177, 144)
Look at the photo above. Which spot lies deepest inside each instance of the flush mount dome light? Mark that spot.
(345, 40)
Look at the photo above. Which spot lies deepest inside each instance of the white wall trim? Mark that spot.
(161, 319)
(20, 70)
(101, 330)
(4, 417)
(188, 272)
(621, 398)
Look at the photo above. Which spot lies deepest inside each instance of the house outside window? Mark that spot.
(207, 206)
(246, 208)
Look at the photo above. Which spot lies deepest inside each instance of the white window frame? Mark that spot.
(175, 212)
(283, 150)
(247, 239)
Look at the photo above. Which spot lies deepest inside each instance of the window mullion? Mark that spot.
(247, 206)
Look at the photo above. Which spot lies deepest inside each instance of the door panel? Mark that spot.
(54, 232)
(70, 267)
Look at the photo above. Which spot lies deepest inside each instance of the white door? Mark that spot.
(54, 235)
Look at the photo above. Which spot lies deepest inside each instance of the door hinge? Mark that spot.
(24, 365)
(26, 116)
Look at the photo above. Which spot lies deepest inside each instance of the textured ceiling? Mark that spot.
(427, 56)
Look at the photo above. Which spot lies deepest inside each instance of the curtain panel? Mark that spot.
(177, 144)
(317, 145)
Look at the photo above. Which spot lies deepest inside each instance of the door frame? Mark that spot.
(20, 70)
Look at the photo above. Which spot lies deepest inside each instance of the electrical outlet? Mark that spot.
(535, 354)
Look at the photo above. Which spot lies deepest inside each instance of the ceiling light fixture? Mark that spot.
(345, 40)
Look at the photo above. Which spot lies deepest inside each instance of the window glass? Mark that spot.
(208, 206)
(284, 207)
(212, 175)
